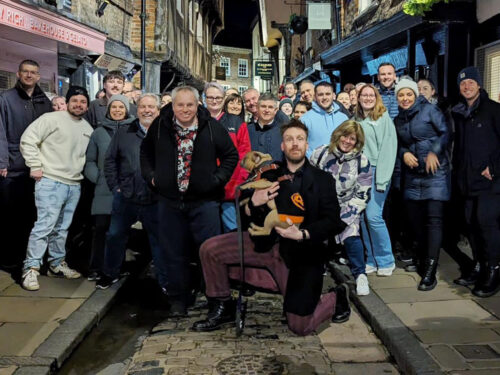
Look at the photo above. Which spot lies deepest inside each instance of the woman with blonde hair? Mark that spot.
(353, 180)
(380, 149)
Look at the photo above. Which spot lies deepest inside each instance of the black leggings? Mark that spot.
(426, 223)
(101, 226)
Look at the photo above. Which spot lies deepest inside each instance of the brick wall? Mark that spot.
(135, 26)
(115, 22)
(234, 80)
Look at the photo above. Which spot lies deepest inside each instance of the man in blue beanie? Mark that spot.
(477, 170)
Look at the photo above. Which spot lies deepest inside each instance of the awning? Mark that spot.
(50, 25)
(306, 73)
(393, 28)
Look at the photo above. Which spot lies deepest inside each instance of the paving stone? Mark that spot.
(178, 361)
(447, 357)
(457, 336)
(496, 346)
(53, 287)
(407, 280)
(9, 370)
(475, 372)
(491, 304)
(24, 338)
(486, 364)
(33, 370)
(440, 293)
(443, 315)
(151, 371)
(5, 280)
(36, 309)
(364, 369)
(476, 351)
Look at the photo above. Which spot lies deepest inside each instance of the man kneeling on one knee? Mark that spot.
(295, 256)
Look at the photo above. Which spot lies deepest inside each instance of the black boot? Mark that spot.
(428, 281)
(219, 314)
(342, 307)
(489, 282)
(469, 277)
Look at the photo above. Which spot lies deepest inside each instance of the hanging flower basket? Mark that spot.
(419, 7)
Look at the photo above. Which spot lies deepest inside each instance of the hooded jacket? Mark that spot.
(477, 145)
(17, 111)
(213, 161)
(321, 125)
(389, 99)
(94, 165)
(422, 129)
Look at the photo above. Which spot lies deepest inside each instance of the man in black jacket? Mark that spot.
(477, 172)
(19, 107)
(306, 196)
(188, 157)
(132, 198)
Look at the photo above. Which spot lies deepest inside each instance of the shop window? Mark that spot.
(199, 29)
(488, 63)
(190, 16)
(241, 89)
(363, 4)
(225, 62)
(179, 7)
(242, 68)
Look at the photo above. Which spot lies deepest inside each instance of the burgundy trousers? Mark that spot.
(218, 253)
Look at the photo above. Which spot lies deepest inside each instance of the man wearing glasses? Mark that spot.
(19, 107)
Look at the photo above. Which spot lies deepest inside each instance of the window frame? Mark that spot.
(246, 67)
(228, 67)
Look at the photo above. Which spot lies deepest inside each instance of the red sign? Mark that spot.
(50, 25)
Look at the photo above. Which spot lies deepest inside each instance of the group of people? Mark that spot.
(173, 163)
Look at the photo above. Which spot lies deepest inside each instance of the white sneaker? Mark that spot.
(62, 270)
(30, 279)
(362, 287)
(370, 269)
(386, 271)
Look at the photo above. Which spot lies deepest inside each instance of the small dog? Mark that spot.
(252, 162)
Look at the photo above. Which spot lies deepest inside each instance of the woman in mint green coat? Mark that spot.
(380, 149)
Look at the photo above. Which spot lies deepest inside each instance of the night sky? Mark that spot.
(239, 14)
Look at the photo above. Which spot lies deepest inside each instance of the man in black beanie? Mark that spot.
(54, 149)
(476, 167)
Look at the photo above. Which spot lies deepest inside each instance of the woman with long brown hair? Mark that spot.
(380, 149)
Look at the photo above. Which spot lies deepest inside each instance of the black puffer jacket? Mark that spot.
(213, 160)
(17, 111)
(477, 145)
(122, 166)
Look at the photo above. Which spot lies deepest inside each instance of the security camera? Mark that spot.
(101, 5)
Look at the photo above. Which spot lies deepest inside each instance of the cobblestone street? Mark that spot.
(266, 347)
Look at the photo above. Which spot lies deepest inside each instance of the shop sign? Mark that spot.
(220, 73)
(264, 69)
(319, 16)
(42, 22)
(114, 63)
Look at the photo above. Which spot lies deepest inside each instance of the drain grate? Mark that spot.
(250, 365)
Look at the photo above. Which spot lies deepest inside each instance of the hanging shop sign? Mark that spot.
(264, 69)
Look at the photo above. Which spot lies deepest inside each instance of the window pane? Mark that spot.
(242, 68)
(225, 62)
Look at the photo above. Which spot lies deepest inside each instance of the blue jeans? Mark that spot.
(124, 213)
(375, 235)
(55, 204)
(356, 255)
(228, 216)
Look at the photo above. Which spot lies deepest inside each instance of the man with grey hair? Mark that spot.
(188, 158)
(132, 198)
(251, 99)
(265, 133)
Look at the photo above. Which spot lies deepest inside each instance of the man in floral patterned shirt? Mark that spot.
(188, 157)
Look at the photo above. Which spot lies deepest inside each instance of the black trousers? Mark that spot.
(101, 226)
(426, 222)
(482, 215)
(17, 216)
(181, 233)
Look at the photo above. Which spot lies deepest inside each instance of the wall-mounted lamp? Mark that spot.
(101, 5)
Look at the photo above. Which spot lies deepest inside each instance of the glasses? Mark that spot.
(32, 72)
(215, 98)
(367, 96)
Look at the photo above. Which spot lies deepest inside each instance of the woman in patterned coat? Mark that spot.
(353, 179)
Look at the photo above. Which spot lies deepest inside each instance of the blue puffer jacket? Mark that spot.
(422, 129)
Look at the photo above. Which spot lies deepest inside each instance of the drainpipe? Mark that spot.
(337, 19)
(143, 44)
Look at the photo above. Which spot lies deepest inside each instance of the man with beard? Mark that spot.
(19, 107)
(113, 84)
(323, 118)
(132, 198)
(295, 256)
(54, 148)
